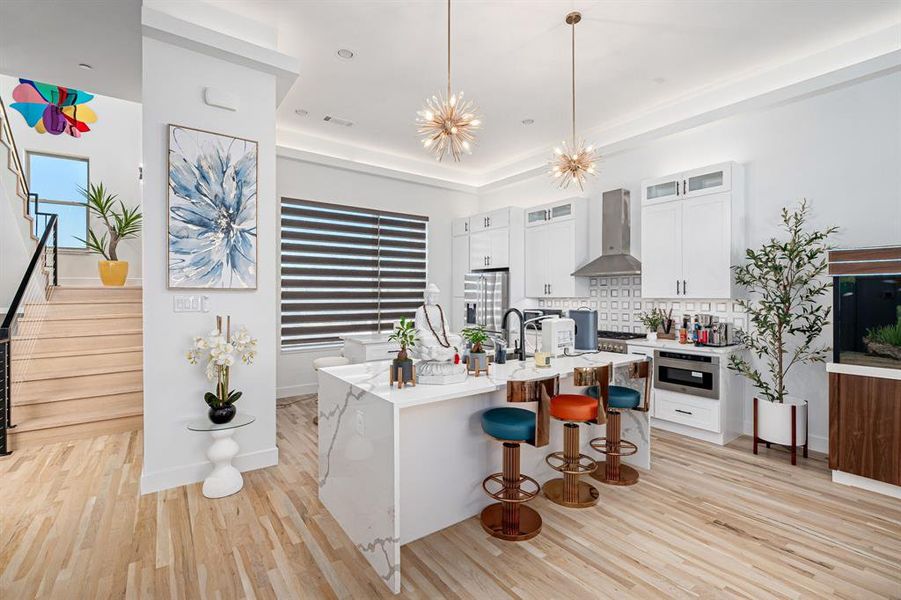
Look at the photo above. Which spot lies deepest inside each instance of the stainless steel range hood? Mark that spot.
(616, 237)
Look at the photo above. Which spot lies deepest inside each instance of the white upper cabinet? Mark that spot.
(497, 219)
(556, 244)
(460, 260)
(690, 242)
(697, 182)
(460, 226)
(661, 266)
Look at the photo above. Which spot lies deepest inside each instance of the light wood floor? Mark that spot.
(706, 522)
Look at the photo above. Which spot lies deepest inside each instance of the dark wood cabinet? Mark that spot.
(865, 426)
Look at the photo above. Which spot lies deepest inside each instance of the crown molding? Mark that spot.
(846, 64)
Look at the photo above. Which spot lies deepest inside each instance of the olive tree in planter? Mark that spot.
(402, 366)
(785, 317)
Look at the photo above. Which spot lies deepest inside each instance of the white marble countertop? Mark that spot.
(373, 338)
(690, 348)
(372, 377)
(863, 370)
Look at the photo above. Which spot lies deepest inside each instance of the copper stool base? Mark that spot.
(584, 496)
(529, 525)
(627, 475)
(612, 471)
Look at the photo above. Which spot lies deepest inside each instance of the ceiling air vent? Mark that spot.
(338, 121)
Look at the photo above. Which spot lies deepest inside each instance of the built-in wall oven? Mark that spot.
(693, 374)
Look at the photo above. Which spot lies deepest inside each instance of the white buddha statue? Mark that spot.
(435, 346)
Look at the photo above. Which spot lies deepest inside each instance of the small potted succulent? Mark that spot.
(652, 320)
(478, 358)
(120, 222)
(405, 336)
(218, 349)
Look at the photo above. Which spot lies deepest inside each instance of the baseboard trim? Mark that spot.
(188, 474)
(864, 483)
(296, 390)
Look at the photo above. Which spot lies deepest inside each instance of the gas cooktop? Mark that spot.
(619, 335)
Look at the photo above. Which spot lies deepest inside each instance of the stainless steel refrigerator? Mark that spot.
(487, 298)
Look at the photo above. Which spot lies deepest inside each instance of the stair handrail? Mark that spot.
(51, 228)
(20, 172)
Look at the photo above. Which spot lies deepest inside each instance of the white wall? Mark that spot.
(841, 149)
(173, 82)
(113, 148)
(309, 181)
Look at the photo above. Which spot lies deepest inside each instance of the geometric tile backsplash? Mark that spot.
(618, 302)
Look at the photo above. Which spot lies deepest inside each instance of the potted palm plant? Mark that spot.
(478, 358)
(405, 336)
(784, 282)
(120, 223)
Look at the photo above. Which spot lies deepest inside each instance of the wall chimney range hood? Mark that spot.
(616, 237)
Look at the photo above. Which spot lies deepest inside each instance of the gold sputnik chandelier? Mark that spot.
(447, 123)
(573, 161)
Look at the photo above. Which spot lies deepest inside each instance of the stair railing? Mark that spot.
(33, 295)
(11, 141)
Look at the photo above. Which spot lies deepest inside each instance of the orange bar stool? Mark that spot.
(569, 490)
(617, 399)
(509, 519)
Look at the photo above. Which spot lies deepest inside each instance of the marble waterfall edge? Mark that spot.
(357, 479)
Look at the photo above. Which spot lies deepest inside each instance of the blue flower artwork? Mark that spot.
(212, 210)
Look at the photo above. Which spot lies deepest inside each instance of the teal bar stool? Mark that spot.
(509, 519)
(617, 399)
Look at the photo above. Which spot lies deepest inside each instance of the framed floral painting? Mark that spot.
(212, 210)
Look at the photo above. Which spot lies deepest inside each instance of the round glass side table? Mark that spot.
(225, 479)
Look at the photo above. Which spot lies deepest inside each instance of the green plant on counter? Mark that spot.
(476, 336)
(405, 335)
(652, 320)
(121, 222)
(783, 280)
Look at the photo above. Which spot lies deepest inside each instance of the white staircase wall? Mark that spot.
(16, 245)
(113, 149)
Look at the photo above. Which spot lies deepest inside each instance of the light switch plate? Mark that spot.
(195, 303)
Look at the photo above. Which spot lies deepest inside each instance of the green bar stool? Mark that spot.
(509, 519)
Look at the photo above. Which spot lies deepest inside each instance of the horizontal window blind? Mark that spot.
(348, 270)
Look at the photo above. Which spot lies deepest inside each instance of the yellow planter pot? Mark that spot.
(113, 272)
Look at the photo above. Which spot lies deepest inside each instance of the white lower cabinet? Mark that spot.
(687, 410)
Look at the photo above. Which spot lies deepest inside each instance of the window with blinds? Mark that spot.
(348, 270)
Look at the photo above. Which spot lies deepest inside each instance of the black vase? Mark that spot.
(222, 414)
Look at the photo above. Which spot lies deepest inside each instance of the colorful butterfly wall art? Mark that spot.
(53, 109)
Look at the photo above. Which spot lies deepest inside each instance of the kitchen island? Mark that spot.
(398, 464)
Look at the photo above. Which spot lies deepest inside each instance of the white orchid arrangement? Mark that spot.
(220, 350)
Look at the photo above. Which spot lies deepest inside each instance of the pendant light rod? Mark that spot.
(571, 19)
(448, 50)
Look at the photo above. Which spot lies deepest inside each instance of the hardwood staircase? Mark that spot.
(77, 366)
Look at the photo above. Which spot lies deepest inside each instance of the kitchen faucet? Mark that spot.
(520, 352)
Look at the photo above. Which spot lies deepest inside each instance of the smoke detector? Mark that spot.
(338, 121)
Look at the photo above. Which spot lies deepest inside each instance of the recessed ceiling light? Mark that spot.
(528, 121)
(659, 80)
(85, 66)
(345, 53)
(301, 112)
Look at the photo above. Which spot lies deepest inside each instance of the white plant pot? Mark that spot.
(652, 335)
(774, 421)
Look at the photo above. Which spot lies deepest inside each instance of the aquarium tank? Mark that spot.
(867, 328)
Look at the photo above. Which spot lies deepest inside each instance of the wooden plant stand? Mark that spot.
(793, 448)
(396, 375)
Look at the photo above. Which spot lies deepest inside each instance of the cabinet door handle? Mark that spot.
(683, 187)
(677, 287)
(684, 287)
(549, 288)
(488, 219)
(489, 261)
(466, 227)
(684, 412)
